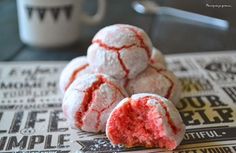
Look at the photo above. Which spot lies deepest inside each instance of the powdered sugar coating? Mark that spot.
(165, 123)
(157, 57)
(158, 80)
(75, 68)
(89, 100)
(121, 51)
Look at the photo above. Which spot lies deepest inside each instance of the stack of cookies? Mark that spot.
(121, 62)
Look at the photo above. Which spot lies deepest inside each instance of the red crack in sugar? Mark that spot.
(123, 65)
(101, 111)
(74, 74)
(168, 94)
(111, 48)
(88, 98)
(126, 83)
(152, 61)
(140, 38)
(117, 88)
(117, 50)
(171, 123)
(113, 98)
(167, 114)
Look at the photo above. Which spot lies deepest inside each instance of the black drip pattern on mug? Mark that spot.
(55, 12)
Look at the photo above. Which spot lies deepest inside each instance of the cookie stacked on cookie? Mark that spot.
(120, 62)
(125, 53)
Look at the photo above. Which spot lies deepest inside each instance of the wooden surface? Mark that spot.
(169, 34)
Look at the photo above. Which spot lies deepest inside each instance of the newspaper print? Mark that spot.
(31, 119)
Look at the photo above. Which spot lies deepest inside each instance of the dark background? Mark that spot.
(168, 33)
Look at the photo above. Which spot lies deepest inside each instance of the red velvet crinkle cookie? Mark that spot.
(121, 51)
(89, 100)
(145, 120)
(156, 79)
(75, 68)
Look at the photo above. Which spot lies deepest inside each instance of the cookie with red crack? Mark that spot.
(121, 51)
(75, 68)
(157, 57)
(145, 120)
(156, 79)
(89, 100)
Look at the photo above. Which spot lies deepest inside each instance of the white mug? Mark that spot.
(53, 23)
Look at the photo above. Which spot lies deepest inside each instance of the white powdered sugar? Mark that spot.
(156, 80)
(93, 96)
(157, 57)
(71, 68)
(121, 51)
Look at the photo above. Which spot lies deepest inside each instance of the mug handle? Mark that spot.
(101, 9)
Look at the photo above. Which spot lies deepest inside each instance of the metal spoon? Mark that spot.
(150, 7)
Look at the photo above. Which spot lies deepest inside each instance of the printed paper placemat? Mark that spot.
(31, 119)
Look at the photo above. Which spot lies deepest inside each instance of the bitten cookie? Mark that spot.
(75, 68)
(157, 57)
(121, 51)
(156, 79)
(89, 100)
(145, 120)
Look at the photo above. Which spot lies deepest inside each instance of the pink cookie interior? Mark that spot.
(138, 124)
